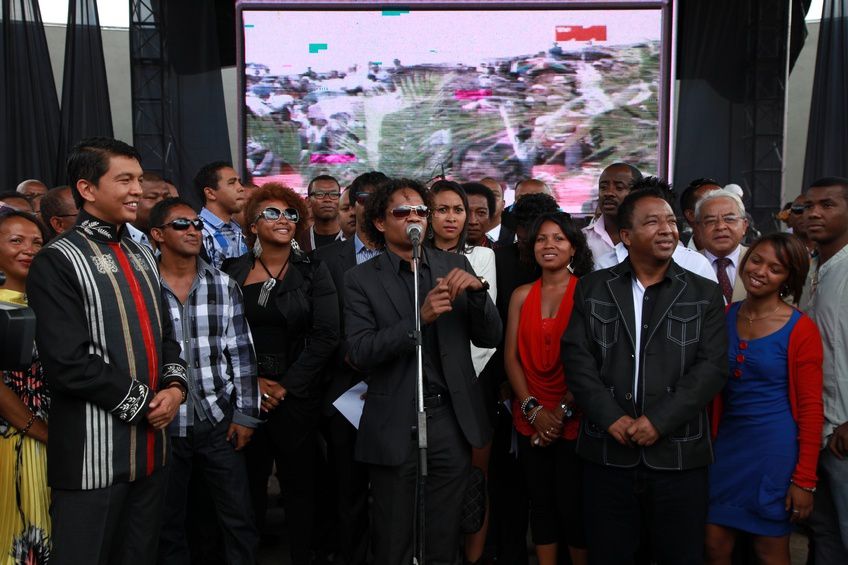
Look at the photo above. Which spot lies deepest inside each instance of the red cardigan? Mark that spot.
(805, 398)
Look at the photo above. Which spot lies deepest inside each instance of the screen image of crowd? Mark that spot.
(645, 385)
(556, 114)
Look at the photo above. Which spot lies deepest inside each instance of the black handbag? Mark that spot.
(474, 502)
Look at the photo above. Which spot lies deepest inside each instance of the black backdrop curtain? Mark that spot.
(85, 94)
(827, 136)
(29, 107)
(715, 66)
(195, 113)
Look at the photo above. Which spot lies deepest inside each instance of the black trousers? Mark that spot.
(116, 525)
(670, 505)
(393, 488)
(351, 479)
(224, 468)
(289, 439)
(554, 480)
(508, 503)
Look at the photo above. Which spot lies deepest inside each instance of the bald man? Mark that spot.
(33, 190)
(531, 186)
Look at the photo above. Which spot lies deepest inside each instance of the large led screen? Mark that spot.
(554, 94)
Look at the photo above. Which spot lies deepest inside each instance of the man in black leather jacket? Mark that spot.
(644, 352)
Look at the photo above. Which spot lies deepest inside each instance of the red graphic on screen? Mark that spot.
(580, 33)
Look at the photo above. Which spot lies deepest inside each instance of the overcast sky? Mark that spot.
(116, 13)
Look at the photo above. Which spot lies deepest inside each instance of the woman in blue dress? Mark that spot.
(769, 416)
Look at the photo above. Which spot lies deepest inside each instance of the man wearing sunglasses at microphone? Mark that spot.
(379, 321)
(221, 409)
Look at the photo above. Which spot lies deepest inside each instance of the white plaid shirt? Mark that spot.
(218, 349)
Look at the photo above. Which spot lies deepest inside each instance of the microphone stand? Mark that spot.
(421, 484)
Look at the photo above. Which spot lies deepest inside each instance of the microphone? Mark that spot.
(413, 232)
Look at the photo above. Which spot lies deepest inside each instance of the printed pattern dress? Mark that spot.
(24, 494)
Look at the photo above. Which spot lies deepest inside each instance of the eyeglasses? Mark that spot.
(404, 211)
(182, 224)
(713, 221)
(273, 214)
(362, 197)
(798, 210)
(321, 195)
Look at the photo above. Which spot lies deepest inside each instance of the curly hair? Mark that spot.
(375, 206)
(582, 262)
(273, 191)
(530, 206)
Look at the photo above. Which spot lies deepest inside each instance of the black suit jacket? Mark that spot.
(339, 258)
(684, 360)
(379, 320)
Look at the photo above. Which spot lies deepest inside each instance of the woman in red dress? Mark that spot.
(543, 408)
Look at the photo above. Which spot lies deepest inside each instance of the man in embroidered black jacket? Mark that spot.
(644, 352)
(112, 366)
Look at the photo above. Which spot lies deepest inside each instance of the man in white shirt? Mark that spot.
(826, 219)
(721, 220)
(690, 260)
(614, 184)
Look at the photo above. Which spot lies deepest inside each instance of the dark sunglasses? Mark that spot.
(404, 211)
(798, 210)
(273, 214)
(182, 224)
(362, 197)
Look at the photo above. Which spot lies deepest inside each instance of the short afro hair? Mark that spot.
(273, 191)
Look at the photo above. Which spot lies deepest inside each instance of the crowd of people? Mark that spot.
(626, 396)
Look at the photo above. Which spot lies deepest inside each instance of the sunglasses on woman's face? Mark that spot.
(362, 197)
(404, 211)
(182, 224)
(273, 214)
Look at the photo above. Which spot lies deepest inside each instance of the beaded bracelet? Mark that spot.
(28, 425)
(529, 404)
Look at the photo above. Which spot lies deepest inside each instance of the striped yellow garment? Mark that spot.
(24, 529)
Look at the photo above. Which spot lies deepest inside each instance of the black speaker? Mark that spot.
(17, 336)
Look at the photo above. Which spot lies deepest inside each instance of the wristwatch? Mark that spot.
(484, 282)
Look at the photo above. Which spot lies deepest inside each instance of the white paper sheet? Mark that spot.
(350, 403)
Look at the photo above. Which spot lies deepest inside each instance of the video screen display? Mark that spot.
(462, 93)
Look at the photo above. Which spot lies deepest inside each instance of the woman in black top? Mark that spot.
(293, 312)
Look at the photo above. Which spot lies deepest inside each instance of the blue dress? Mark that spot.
(757, 445)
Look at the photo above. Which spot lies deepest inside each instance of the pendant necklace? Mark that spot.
(751, 320)
(269, 285)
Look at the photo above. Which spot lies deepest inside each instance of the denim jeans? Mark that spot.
(829, 519)
(226, 479)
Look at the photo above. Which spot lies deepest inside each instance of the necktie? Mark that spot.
(723, 280)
